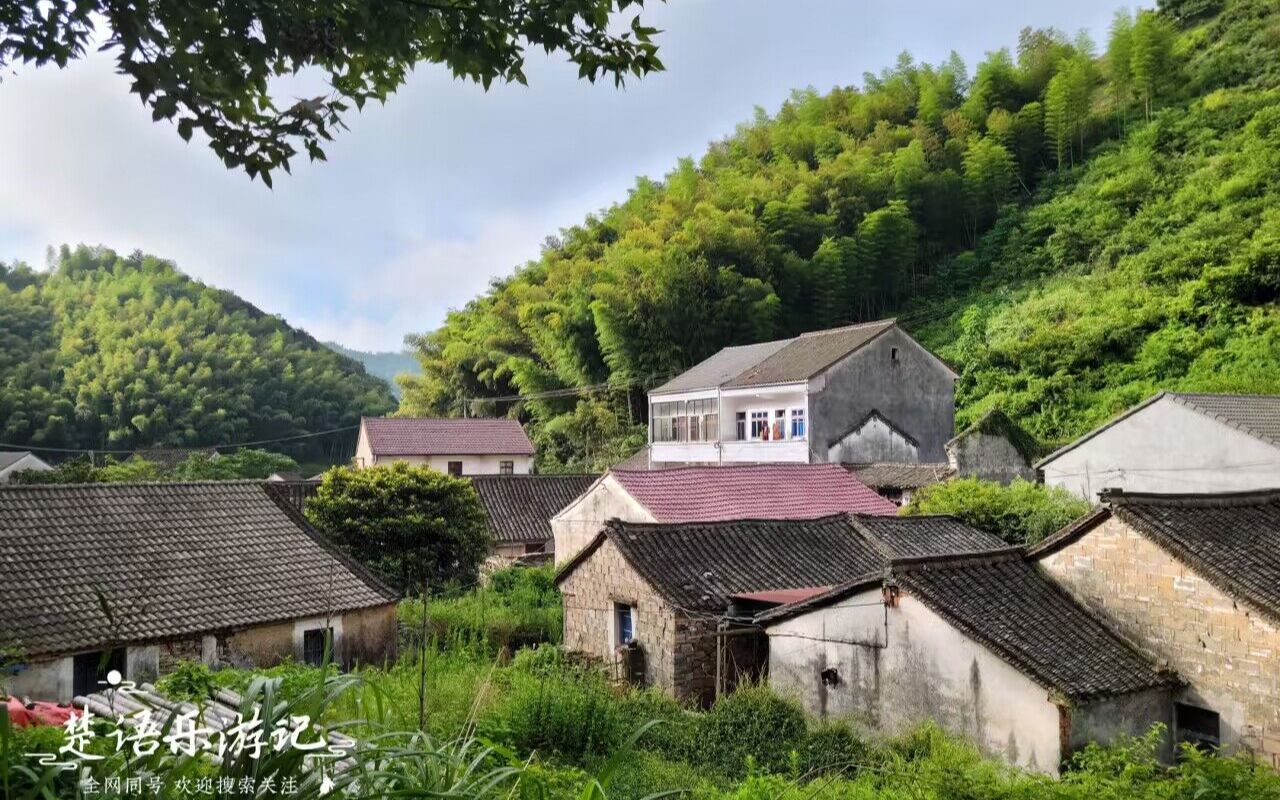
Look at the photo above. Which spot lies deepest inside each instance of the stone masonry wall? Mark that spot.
(590, 592)
(1225, 650)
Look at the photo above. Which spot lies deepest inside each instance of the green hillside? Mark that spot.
(381, 364)
(116, 352)
(1072, 225)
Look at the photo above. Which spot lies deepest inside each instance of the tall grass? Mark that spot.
(517, 607)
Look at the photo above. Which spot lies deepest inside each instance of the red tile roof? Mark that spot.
(433, 436)
(755, 491)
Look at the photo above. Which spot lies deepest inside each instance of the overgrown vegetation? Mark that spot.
(513, 608)
(1020, 513)
(118, 353)
(1071, 226)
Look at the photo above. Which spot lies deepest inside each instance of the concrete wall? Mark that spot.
(989, 457)
(1225, 650)
(876, 439)
(579, 522)
(916, 392)
(1166, 447)
(471, 465)
(900, 666)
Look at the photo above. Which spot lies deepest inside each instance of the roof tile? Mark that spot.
(446, 436)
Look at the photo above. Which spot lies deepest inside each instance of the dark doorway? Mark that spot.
(313, 644)
(89, 670)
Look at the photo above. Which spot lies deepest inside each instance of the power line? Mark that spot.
(109, 451)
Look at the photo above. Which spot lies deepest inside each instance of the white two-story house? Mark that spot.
(862, 393)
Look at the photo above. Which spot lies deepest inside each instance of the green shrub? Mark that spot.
(644, 775)
(755, 723)
(570, 713)
(832, 748)
(190, 680)
(676, 738)
(1020, 513)
(518, 607)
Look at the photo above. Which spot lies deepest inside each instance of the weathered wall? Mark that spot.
(874, 440)
(909, 665)
(1166, 447)
(471, 465)
(989, 457)
(369, 636)
(579, 522)
(1125, 716)
(916, 392)
(590, 592)
(1225, 650)
(50, 680)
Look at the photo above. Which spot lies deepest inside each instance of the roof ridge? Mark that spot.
(1120, 497)
(622, 524)
(1187, 399)
(994, 556)
(854, 326)
(731, 467)
(131, 484)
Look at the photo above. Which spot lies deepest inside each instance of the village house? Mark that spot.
(1175, 442)
(1194, 580)
(861, 393)
(993, 448)
(670, 605)
(135, 577)
(979, 642)
(520, 507)
(709, 494)
(14, 461)
(458, 446)
(898, 482)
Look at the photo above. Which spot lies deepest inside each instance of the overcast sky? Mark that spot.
(424, 200)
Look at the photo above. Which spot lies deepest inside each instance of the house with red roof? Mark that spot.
(712, 494)
(458, 446)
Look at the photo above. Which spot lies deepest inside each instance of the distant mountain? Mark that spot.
(123, 352)
(385, 365)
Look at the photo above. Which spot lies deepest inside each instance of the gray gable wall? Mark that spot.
(917, 393)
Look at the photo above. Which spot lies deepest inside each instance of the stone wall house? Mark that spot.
(994, 448)
(1194, 580)
(221, 572)
(1175, 442)
(685, 593)
(519, 509)
(710, 494)
(458, 446)
(981, 643)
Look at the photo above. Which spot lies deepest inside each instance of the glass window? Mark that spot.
(455, 467)
(506, 467)
(668, 422)
(797, 423)
(313, 644)
(626, 624)
(759, 424)
(779, 424)
(740, 426)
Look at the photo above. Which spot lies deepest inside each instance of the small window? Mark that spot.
(313, 644)
(455, 467)
(626, 630)
(1199, 727)
(893, 354)
(759, 424)
(531, 548)
(506, 467)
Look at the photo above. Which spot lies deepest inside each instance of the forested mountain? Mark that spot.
(114, 352)
(1072, 226)
(382, 364)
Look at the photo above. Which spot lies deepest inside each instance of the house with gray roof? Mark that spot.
(1194, 580)
(1175, 442)
(980, 642)
(671, 605)
(136, 577)
(14, 461)
(862, 393)
(519, 509)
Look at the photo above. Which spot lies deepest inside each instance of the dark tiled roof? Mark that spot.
(745, 491)
(728, 363)
(1005, 603)
(520, 507)
(440, 436)
(809, 354)
(1231, 540)
(697, 566)
(889, 475)
(923, 535)
(171, 560)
